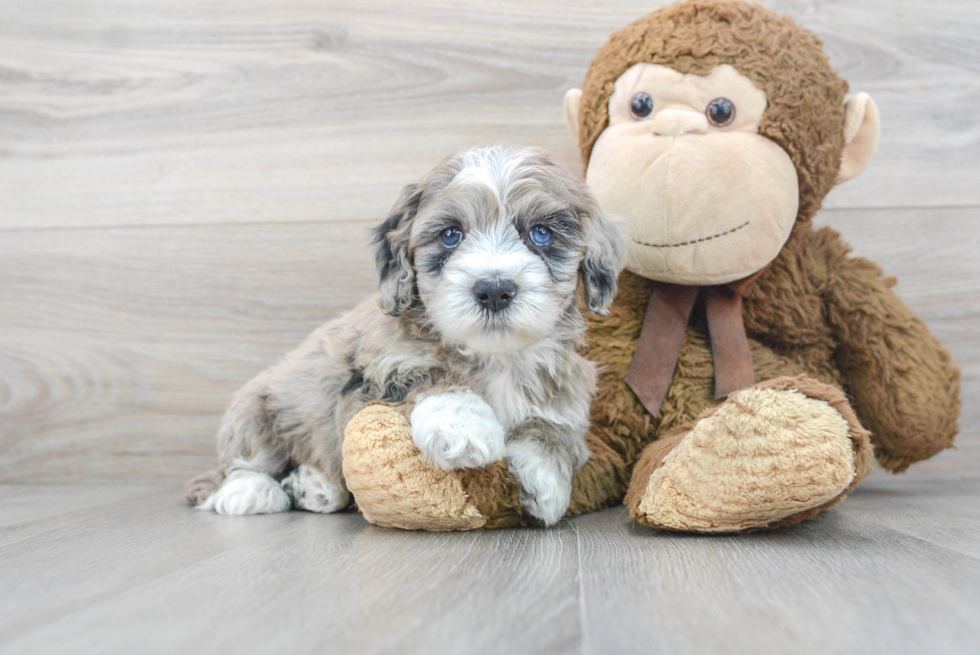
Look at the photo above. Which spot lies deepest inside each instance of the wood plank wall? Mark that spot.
(186, 187)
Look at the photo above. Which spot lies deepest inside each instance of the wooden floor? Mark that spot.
(186, 190)
(131, 569)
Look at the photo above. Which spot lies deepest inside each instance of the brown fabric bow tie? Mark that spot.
(662, 337)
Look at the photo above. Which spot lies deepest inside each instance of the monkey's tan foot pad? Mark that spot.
(392, 482)
(769, 455)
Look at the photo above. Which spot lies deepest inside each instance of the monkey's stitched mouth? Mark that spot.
(693, 241)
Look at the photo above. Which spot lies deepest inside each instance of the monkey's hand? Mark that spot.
(774, 454)
(396, 486)
(905, 389)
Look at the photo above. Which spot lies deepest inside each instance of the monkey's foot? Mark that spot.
(774, 454)
(394, 485)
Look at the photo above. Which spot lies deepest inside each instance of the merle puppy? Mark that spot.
(473, 334)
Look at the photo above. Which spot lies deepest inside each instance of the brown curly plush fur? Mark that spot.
(819, 322)
(815, 311)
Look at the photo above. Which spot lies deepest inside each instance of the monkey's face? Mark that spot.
(708, 199)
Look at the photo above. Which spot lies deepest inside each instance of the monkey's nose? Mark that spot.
(675, 122)
(494, 295)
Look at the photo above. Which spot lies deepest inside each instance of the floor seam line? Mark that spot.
(582, 610)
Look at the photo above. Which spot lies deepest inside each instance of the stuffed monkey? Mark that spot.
(751, 369)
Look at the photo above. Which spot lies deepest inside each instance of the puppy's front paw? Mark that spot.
(248, 492)
(545, 480)
(457, 430)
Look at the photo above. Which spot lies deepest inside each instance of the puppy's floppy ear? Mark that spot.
(391, 238)
(605, 256)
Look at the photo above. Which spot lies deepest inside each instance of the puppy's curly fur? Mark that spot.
(482, 377)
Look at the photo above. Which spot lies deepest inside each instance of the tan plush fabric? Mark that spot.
(686, 225)
(760, 457)
(862, 128)
(393, 484)
(744, 231)
(805, 94)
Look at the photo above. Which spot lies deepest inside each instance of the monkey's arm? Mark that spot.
(906, 391)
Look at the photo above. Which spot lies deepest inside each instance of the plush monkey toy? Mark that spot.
(752, 369)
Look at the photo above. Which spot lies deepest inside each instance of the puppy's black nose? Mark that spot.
(495, 295)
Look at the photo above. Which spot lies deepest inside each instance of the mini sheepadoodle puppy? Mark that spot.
(473, 334)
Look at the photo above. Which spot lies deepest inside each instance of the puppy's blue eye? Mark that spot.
(450, 237)
(540, 235)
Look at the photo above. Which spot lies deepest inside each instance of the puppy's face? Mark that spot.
(494, 243)
(496, 260)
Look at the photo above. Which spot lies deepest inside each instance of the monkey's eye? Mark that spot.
(540, 236)
(450, 237)
(641, 105)
(720, 112)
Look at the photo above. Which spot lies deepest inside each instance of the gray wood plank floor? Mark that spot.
(124, 569)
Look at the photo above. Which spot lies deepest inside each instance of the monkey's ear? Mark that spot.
(605, 256)
(391, 239)
(862, 127)
(572, 99)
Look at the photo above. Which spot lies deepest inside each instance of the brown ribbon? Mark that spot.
(662, 337)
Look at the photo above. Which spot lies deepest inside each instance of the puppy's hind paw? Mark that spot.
(457, 430)
(311, 490)
(201, 487)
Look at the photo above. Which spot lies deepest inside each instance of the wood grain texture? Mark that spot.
(121, 569)
(189, 581)
(180, 111)
(888, 572)
(119, 348)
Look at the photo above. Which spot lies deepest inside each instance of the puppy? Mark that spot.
(473, 335)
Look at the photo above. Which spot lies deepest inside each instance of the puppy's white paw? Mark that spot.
(311, 490)
(248, 492)
(545, 480)
(457, 430)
